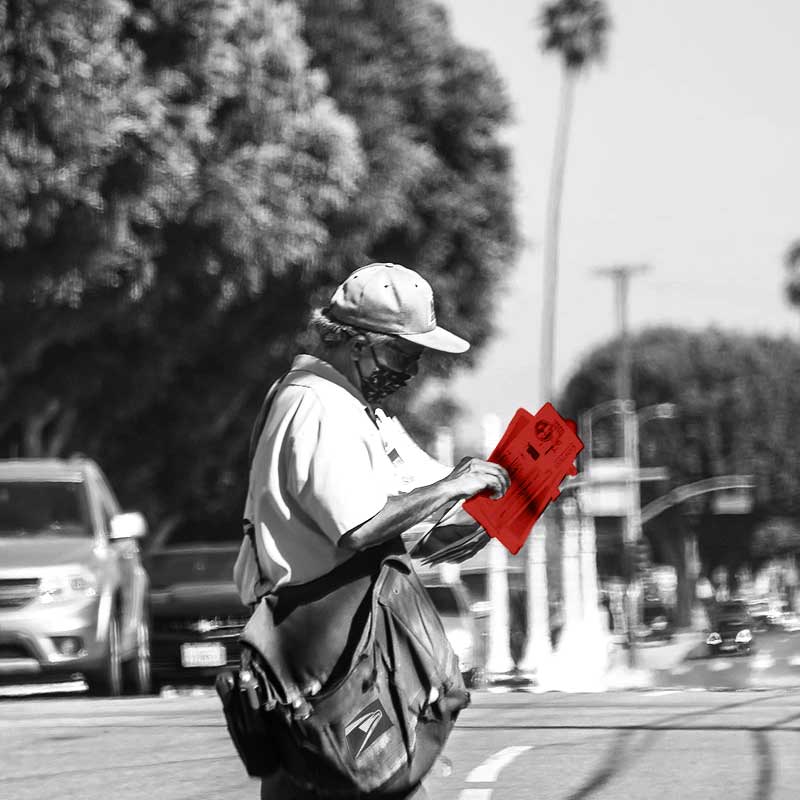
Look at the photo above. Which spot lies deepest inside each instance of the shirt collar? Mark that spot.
(316, 366)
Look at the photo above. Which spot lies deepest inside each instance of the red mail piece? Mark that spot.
(538, 452)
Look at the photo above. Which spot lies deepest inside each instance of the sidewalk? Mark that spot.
(612, 670)
(650, 659)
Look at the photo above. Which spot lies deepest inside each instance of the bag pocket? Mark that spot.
(353, 739)
(251, 729)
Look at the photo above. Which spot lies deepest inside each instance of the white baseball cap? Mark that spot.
(390, 298)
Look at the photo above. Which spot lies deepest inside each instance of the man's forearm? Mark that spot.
(400, 513)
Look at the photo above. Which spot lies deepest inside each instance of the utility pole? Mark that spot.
(621, 275)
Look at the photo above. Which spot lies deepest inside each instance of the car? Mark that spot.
(732, 629)
(197, 615)
(452, 601)
(73, 589)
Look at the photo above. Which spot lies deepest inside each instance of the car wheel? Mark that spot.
(107, 681)
(137, 674)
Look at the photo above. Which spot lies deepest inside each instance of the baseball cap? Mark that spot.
(390, 298)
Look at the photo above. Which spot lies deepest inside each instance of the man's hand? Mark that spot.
(474, 475)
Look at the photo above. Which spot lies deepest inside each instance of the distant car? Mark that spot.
(452, 601)
(73, 591)
(197, 615)
(732, 629)
(760, 612)
(656, 623)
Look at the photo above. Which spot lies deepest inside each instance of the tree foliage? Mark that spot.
(577, 30)
(736, 398)
(438, 192)
(792, 264)
(186, 178)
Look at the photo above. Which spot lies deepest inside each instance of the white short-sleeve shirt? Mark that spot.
(320, 469)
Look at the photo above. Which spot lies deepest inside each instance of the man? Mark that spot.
(324, 484)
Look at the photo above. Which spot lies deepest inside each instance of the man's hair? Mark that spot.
(333, 333)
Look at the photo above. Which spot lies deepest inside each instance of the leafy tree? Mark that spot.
(246, 189)
(437, 196)
(735, 397)
(777, 536)
(254, 155)
(72, 106)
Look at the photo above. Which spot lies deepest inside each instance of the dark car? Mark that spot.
(732, 629)
(196, 612)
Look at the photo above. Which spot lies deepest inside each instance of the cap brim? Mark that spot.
(438, 339)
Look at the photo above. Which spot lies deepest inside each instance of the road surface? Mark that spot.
(662, 743)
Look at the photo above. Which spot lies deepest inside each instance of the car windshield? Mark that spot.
(53, 508)
(732, 614)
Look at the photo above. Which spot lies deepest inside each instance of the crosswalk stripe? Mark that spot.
(475, 794)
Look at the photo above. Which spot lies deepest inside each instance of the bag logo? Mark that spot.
(366, 727)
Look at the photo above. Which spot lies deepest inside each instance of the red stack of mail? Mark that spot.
(538, 451)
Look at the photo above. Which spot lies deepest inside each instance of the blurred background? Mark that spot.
(603, 195)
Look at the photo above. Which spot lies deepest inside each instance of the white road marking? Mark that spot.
(719, 666)
(681, 669)
(490, 769)
(794, 661)
(660, 692)
(475, 794)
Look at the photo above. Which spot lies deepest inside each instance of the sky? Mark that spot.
(684, 155)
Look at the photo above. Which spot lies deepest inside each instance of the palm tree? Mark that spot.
(576, 30)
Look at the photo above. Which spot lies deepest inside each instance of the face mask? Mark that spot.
(382, 381)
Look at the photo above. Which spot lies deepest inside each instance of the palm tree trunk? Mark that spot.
(551, 234)
(537, 648)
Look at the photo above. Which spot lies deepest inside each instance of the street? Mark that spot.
(662, 743)
(774, 663)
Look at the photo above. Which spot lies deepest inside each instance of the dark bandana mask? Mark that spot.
(382, 382)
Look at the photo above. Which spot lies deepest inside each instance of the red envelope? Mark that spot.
(538, 452)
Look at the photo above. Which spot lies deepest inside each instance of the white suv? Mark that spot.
(73, 592)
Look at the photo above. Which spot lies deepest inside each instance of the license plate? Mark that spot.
(203, 654)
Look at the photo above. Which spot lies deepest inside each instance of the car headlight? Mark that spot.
(54, 588)
(714, 638)
(744, 636)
